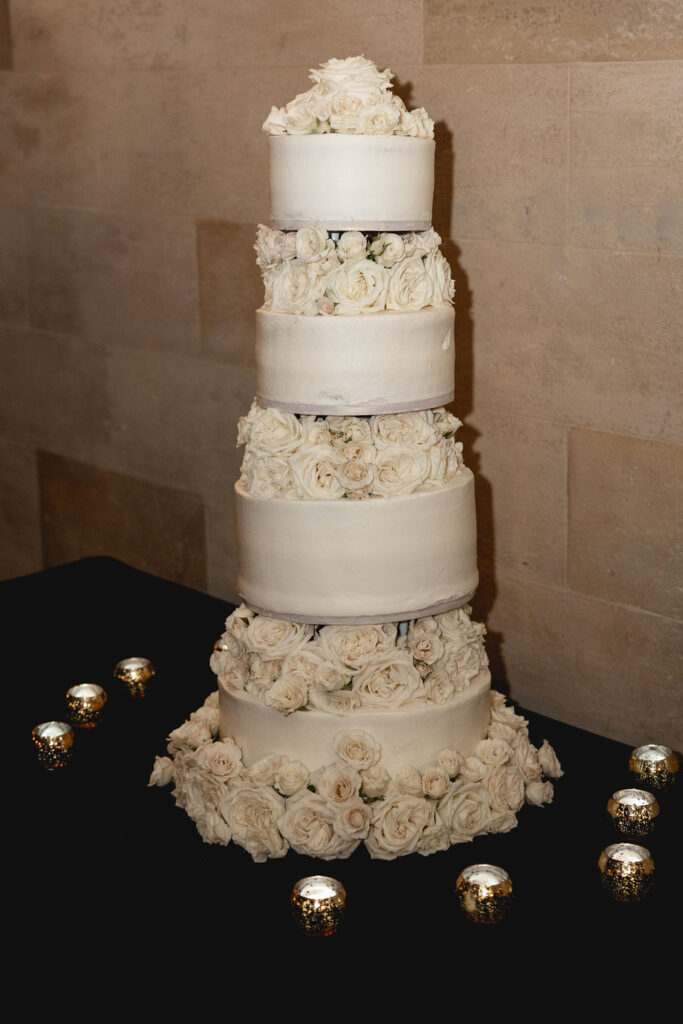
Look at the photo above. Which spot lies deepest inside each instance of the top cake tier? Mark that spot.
(362, 182)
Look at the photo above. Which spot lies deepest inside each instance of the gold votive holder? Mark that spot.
(135, 673)
(484, 892)
(633, 812)
(318, 904)
(654, 765)
(627, 871)
(84, 704)
(53, 742)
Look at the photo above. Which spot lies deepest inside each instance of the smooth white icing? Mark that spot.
(377, 560)
(409, 736)
(366, 182)
(382, 362)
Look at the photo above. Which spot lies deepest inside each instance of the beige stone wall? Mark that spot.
(132, 174)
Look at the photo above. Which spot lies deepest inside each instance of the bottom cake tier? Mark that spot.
(401, 766)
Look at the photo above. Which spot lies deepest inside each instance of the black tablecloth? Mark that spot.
(115, 866)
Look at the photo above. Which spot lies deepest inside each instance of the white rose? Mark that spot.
(213, 828)
(346, 106)
(212, 700)
(465, 810)
(435, 836)
(450, 761)
(237, 622)
(208, 716)
(337, 783)
(301, 119)
(352, 819)
(308, 823)
(296, 286)
(415, 429)
(251, 812)
(352, 246)
(263, 672)
(506, 786)
(425, 646)
(303, 663)
(410, 286)
(358, 287)
(265, 770)
(406, 780)
(388, 249)
(501, 821)
(526, 758)
(329, 677)
(352, 647)
(355, 477)
(416, 123)
(276, 122)
(314, 473)
(315, 431)
(438, 271)
(335, 702)
(267, 476)
(350, 72)
(498, 731)
(291, 777)
(162, 772)
(349, 428)
(378, 119)
(472, 770)
(311, 244)
(538, 793)
(275, 638)
(274, 432)
(397, 824)
(548, 761)
(356, 451)
(189, 735)
(269, 244)
(375, 781)
(439, 687)
(391, 681)
(196, 790)
(222, 759)
(462, 661)
(357, 749)
(287, 694)
(435, 782)
(493, 752)
(400, 470)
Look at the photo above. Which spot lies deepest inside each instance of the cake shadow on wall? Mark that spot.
(354, 703)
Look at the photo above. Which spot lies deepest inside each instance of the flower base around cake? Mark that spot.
(328, 810)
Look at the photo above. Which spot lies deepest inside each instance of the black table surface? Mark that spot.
(101, 854)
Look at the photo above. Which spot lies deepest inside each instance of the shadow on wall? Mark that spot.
(463, 402)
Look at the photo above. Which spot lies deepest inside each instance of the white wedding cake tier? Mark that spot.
(391, 362)
(376, 560)
(367, 182)
(354, 702)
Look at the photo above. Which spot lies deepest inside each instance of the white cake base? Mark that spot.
(359, 182)
(373, 560)
(408, 736)
(355, 365)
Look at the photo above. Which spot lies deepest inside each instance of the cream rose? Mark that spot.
(301, 119)
(358, 287)
(337, 783)
(378, 119)
(347, 104)
(548, 761)
(162, 772)
(213, 828)
(439, 687)
(465, 811)
(400, 470)
(308, 824)
(189, 735)
(291, 777)
(334, 702)
(410, 286)
(356, 477)
(352, 246)
(351, 648)
(252, 812)
(397, 824)
(388, 249)
(272, 432)
(311, 244)
(275, 638)
(450, 761)
(406, 780)
(538, 793)
(350, 72)
(352, 820)
(425, 646)
(391, 681)
(438, 271)
(435, 837)
(375, 781)
(416, 123)
(506, 786)
(294, 288)
(276, 122)
(222, 759)
(414, 429)
(264, 771)
(435, 782)
(357, 749)
(493, 752)
(314, 473)
(267, 476)
(287, 694)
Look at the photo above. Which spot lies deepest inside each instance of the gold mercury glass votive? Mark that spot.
(654, 765)
(627, 871)
(318, 904)
(84, 703)
(633, 812)
(484, 892)
(53, 742)
(135, 673)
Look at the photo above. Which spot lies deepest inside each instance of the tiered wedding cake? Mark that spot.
(354, 701)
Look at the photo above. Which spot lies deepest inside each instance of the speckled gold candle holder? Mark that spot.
(53, 742)
(484, 892)
(627, 871)
(654, 765)
(318, 904)
(633, 812)
(84, 704)
(135, 673)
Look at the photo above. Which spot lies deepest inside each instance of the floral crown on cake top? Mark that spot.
(349, 97)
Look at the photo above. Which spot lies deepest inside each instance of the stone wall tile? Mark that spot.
(20, 551)
(607, 668)
(230, 290)
(114, 277)
(13, 264)
(87, 510)
(587, 338)
(501, 154)
(501, 31)
(625, 184)
(6, 56)
(625, 533)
